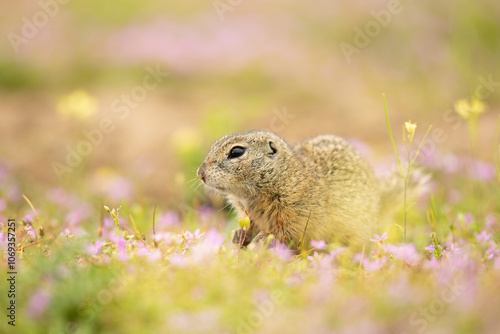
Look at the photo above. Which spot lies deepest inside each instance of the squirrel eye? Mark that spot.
(236, 152)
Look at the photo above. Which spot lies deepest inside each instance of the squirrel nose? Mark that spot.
(201, 172)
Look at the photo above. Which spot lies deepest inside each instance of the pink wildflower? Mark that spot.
(377, 238)
(492, 251)
(30, 231)
(483, 236)
(314, 257)
(66, 233)
(431, 248)
(408, 253)
(95, 249)
(38, 303)
(318, 244)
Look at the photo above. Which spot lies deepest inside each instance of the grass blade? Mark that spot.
(390, 134)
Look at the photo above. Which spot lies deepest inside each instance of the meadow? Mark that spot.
(137, 270)
(106, 111)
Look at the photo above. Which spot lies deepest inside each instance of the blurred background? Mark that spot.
(124, 98)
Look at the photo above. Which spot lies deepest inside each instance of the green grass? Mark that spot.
(198, 282)
(81, 270)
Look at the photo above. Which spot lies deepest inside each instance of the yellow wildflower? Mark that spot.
(462, 107)
(477, 106)
(78, 104)
(410, 129)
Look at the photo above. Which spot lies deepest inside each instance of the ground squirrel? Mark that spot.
(321, 182)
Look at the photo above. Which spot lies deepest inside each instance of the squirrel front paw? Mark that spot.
(239, 237)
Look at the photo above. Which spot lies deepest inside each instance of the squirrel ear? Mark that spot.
(273, 148)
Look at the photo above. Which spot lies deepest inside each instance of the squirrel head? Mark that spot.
(245, 164)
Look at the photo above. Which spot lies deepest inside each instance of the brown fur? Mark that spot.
(321, 182)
